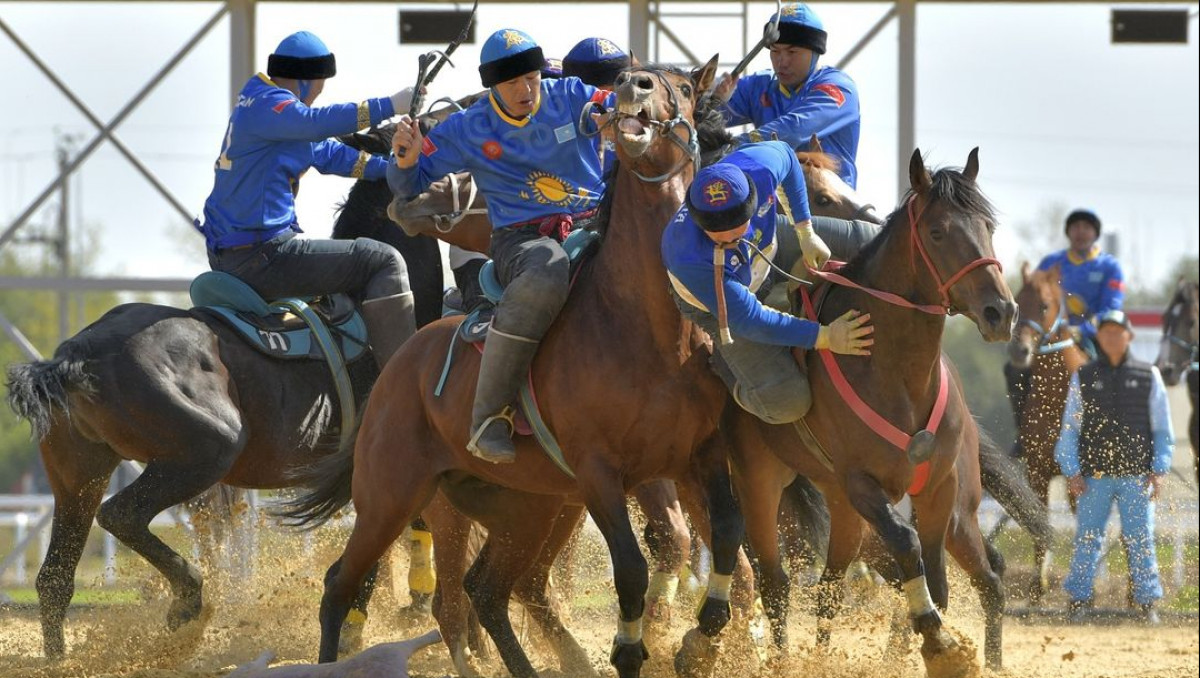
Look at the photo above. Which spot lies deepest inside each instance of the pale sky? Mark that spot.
(1062, 117)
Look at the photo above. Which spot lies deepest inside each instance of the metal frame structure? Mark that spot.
(647, 18)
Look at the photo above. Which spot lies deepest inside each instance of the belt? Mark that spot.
(541, 220)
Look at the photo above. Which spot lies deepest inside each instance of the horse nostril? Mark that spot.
(644, 82)
(992, 315)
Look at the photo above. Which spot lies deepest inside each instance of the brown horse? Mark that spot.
(934, 255)
(1177, 353)
(1044, 345)
(619, 323)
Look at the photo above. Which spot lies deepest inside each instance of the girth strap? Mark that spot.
(333, 357)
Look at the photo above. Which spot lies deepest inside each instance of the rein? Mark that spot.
(444, 223)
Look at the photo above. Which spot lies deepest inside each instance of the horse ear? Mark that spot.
(972, 169)
(814, 145)
(1025, 273)
(703, 77)
(918, 175)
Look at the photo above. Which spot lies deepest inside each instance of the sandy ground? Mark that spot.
(278, 609)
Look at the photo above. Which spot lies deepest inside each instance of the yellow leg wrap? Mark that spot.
(356, 617)
(421, 576)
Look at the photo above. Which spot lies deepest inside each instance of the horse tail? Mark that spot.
(1003, 478)
(326, 484)
(36, 389)
(807, 508)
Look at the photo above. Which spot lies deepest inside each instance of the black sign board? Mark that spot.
(1150, 26)
(433, 26)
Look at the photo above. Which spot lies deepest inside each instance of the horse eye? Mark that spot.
(936, 234)
(1045, 307)
(687, 90)
(824, 200)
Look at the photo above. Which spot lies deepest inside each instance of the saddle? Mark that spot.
(278, 329)
(290, 328)
(473, 330)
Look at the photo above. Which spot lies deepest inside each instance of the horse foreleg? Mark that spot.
(845, 539)
(78, 472)
(760, 479)
(512, 537)
(966, 545)
(669, 542)
(1039, 482)
(451, 533)
(605, 499)
(903, 542)
(533, 590)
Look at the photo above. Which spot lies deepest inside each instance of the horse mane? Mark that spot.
(819, 160)
(359, 215)
(947, 184)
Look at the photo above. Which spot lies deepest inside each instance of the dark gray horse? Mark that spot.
(182, 393)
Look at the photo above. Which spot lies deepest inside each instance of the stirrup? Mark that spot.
(507, 414)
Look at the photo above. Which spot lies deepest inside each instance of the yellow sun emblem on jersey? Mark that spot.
(549, 189)
(607, 47)
(512, 38)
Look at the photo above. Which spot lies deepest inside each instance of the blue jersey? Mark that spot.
(687, 250)
(271, 140)
(825, 105)
(527, 169)
(1093, 285)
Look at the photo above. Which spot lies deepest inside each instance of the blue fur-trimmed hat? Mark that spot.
(800, 26)
(721, 197)
(1082, 214)
(301, 56)
(509, 53)
(596, 61)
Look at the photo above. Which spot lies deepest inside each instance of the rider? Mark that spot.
(541, 179)
(1093, 284)
(274, 135)
(799, 99)
(730, 217)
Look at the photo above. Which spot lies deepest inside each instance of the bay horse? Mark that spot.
(620, 323)
(934, 256)
(181, 392)
(1044, 345)
(1178, 351)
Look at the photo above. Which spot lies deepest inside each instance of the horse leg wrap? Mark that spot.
(663, 586)
(421, 576)
(629, 632)
(719, 585)
(919, 600)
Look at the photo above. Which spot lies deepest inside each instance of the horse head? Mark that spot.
(1181, 327)
(657, 109)
(828, 195)
(1042, 311)
(951, 226)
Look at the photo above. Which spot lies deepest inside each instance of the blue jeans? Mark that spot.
(1132, 496)
(287, 266)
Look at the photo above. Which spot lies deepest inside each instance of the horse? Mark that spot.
(621, 319)
(181, 392)
(1044, 345)
(933, 257)
(1178, 350)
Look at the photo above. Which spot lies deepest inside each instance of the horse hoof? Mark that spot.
(697, 656)
(627, 658)
(183, 611)
(351, 639)
(947, 658)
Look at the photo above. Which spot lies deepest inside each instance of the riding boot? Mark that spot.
(390, 322)
(466, 278)
(1017, 379)
(506, 361)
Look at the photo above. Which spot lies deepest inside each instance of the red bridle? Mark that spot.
(943, 287)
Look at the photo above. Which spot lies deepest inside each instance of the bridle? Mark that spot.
(691, 147)
(1046, 336)
(444, 223)
(943, 285)
(1171, 338)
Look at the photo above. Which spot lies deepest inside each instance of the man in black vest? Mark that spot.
(1116, 445)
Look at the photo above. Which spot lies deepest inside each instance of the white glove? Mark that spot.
(402, 100)
(848, 335)
(815, 251)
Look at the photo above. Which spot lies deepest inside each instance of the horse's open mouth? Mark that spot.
(633, 121)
